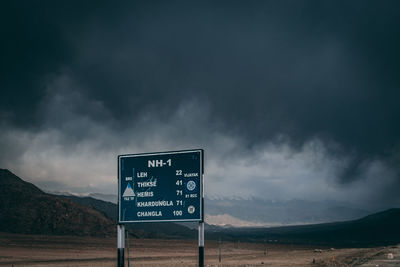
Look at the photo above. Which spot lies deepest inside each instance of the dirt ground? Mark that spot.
(27, 250)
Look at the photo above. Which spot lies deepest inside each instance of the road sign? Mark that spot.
(160, 187)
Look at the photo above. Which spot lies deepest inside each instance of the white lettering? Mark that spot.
(144, 194)
(193, 174)
(159, 163)
(147, 184)
(149, 213)
(159, 203)
(141, 174)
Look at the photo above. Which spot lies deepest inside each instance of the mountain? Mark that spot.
(107, 208)
(105, 197)
(26, 209)
(258, 211)
(377, 229)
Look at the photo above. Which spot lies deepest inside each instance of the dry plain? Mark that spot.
(36, 250)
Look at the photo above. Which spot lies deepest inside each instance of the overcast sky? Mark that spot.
(289, 99)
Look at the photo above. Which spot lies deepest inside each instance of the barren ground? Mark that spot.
(29, 250)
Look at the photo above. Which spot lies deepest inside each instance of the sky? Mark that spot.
(289, 99)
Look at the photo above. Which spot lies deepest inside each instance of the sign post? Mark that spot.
(121, 244)
(161, 187)
(201, 244)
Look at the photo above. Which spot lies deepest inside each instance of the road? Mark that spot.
(382, 259)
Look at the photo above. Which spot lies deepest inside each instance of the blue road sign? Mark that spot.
(161, 187)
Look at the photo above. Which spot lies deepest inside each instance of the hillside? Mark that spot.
(26, 209)
(377, 229)
(108, 208)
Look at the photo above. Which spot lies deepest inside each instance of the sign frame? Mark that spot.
(201, 186)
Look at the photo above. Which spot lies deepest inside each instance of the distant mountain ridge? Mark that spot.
(291, 212)
(376, 229)
(104, 197)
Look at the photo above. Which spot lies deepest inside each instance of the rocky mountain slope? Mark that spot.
(26, 209)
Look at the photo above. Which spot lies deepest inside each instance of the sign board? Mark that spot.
(161, 187)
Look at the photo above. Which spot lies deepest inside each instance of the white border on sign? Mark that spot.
(201, 219)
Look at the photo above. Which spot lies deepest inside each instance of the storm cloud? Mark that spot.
(289, 99)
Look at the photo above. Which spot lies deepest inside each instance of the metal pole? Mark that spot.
(219, 250)
(121, 244)
(201, 244)
(201, 223)
(265, 247)
(127, 241)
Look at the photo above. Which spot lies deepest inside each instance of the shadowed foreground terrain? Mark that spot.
(37, 250)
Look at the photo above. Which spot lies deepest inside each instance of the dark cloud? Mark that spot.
(308, 69)
(286, 72)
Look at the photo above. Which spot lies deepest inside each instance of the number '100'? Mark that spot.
(177, 213)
